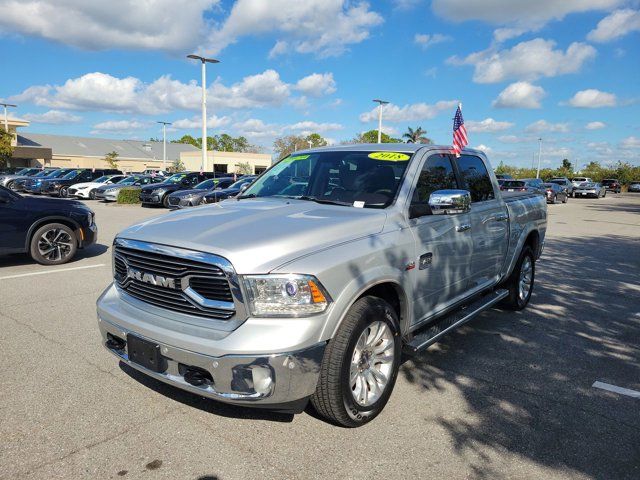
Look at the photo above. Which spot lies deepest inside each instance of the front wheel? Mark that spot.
(53, 244)
(520, 283)
(165, 201)
(64, 192)
(565, 199)
(360, 364)
(92, 194)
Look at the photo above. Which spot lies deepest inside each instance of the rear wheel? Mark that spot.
(92, 194)
(53, 244)
(566, 198)
(165, 201)
(555, 199)
(64, 192)
(360, 364)
(520, 283)
(12, 186)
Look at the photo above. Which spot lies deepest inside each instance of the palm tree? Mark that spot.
(416, 136)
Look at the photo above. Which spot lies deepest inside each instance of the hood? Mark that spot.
(89, 184)
(193, 191)
(42, 203)
(258, 235)
(224, 192)
(165, 186)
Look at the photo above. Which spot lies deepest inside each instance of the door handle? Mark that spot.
(463, 228)
(501, 218)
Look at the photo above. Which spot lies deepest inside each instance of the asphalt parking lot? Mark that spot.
(507, 396)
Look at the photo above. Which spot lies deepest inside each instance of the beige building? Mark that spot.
(227, 162)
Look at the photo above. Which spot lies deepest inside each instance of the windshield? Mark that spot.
(206, 185)
(43, 173)
(175, 178)
(513, 184)
(548, 185)
(102, 179)
(72, 174)
(128, 180)
(557, 182)
(23, 171)
(360, 179)
(579, 179)
(241, 182)
(57, 173)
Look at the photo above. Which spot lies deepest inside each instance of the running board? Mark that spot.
(427, 336)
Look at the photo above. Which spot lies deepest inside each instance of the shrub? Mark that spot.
(129, 195)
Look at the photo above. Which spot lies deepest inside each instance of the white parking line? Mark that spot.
(614, 389)
(45, 272)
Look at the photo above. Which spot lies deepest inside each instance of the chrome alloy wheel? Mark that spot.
(372, 363)
(55, 244)
(524, 286)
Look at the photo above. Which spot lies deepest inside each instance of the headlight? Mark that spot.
(158, 191)
(82, 188)
(90, 218)
(285, 295)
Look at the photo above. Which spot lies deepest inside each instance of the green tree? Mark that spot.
(178, 166)
(196, 142)
(372, 137)
(416, 136)
(566, 165)
(288, 144)
(244, 168)
(112, 159)
(6, 149)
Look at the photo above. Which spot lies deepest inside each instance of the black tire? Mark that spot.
(92, 194)
(555, 199)
(63, 192)
(334, 398)
(11, 186)
(565, 199)
(605, 194)
(515, 301)
(165, 201)
(62, 253)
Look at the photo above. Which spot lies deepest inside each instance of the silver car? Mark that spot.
(590, 189)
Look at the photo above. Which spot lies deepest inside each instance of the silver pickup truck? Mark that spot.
(313, 282)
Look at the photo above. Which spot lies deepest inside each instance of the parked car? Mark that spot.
(49, 230)
(9, 179)
(88, 190)
(564, 183)
(576, 181)
(33, 184)
(159, 194)
(10, 170)
(109, 193)
(220, 194)
(273, 300)
(555, 192)
(60, 186)
(191, 198)
(19, 183)
(634, 186)
(531, 185)
(590, 189)
(612, 185)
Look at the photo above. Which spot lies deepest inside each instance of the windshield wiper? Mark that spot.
(251, 195)
(323, 201)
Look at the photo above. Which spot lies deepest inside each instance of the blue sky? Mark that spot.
(568, 72)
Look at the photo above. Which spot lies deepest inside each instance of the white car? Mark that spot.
(87, 190)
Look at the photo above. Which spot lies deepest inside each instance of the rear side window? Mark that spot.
(437, 174)
(476, 178)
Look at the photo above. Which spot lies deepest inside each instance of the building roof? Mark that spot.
(99, 147)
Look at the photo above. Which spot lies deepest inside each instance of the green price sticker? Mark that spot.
(389, 156)
(295, 158)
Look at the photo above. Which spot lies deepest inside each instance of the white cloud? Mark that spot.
(408, 113)
(280, 48)
(196, 122)
(256, 128)
(426, 40)
(616, 25)
(526, 61)
(307, 127)
(630, 143)
(317, 84)
(515, 139)
(488, 125)
(406, 4)
(53, 117)
(592, 98)
(517, 12)
(595, 125)
(544, 126)
(484, 148)
(506, 33)
(103, 92)
(323, 27)
(170, 25)
(520, 95)
(119, 126)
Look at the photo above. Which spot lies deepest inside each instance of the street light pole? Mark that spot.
(539, 156)
(164, 144)
(204, 61)
(6, 119)
(380, 104)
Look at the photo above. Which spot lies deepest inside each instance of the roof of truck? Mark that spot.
(387, 147)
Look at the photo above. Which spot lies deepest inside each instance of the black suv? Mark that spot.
(50, 230)
(159, 194)
(59, 187)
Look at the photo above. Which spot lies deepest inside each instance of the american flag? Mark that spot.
(459, 132)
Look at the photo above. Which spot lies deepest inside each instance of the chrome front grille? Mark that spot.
(184, 281)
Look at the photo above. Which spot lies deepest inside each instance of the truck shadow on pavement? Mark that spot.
(525, 377)
(205, 404)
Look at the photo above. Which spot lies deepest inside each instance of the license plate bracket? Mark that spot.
(146, 354)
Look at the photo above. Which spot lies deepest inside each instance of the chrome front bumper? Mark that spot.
(293, 375)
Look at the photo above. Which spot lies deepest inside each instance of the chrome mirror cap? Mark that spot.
(450, 202)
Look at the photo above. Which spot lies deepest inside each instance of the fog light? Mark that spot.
(262, 380)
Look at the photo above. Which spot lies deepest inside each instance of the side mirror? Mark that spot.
(450, 202)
